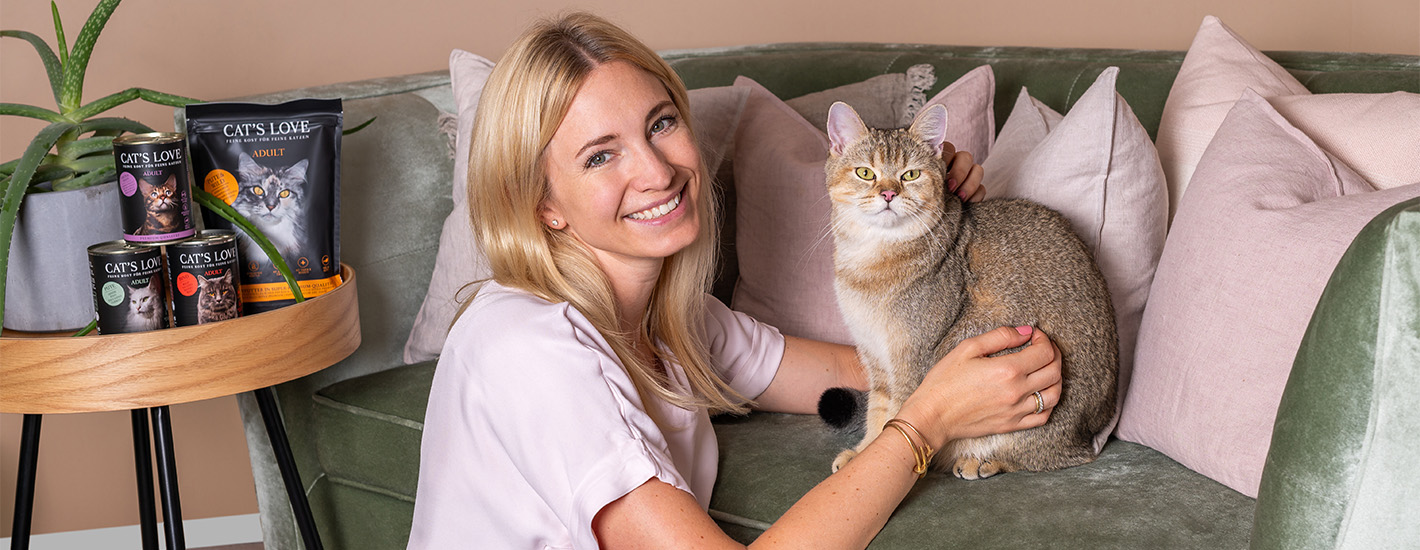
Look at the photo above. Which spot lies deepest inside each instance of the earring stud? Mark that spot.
(556, 223)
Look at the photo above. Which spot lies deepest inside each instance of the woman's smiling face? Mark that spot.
(623, 170)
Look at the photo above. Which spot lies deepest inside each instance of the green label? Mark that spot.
(112, 293)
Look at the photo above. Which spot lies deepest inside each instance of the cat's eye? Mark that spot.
(864, 173)
(258, 191)
(911, 175)
(284, 193)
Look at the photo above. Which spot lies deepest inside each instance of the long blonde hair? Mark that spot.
(523, 103)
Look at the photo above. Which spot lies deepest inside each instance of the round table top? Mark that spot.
(46, 375)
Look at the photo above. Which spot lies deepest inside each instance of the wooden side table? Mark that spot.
(148, 371)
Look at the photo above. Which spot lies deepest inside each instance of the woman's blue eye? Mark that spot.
(597, 159)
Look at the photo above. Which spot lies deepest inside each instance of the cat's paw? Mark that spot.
(975, 468)
(843, 458)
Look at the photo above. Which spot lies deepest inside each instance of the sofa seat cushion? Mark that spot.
(1132, 497)
(369, 428)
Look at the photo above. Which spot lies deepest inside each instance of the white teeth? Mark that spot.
(658, 211)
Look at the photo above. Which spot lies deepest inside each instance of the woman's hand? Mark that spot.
(969, 394)
(963, 174)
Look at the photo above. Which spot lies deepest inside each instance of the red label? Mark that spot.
(186, 284)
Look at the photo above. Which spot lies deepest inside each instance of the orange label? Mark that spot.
(270, 292)
(222, 185)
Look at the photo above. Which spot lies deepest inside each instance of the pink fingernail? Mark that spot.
(1025, 330)
(951, 184)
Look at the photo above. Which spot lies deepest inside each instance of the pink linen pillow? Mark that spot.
(782, 209)
(714, 112)
(1219, 65)
(1251, 249)
(1098, 168)
(1378, 135)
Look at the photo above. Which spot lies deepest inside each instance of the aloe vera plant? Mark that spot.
(76, 149)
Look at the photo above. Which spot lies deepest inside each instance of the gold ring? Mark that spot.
(1039, 403)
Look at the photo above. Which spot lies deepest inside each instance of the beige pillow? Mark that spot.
(1378, 135)
(714, 112)
(782, 207)
(1098, 168)
(1253, 244)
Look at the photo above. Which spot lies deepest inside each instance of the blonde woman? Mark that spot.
(570, 407)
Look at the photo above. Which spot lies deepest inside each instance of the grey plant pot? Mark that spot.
(48, 286)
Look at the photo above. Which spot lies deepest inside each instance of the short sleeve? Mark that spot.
(746, 351)
(562, 409)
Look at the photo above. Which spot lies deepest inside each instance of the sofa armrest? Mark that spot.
(1341, 471)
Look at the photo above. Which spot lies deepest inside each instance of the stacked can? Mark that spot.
(134, 281)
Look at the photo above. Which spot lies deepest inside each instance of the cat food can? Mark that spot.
(129, 293)
(154, 176)
(204, 277)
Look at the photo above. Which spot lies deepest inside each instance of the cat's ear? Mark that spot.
(247, 166)
(171, 181)
(298, 170)
(155, 282)
(931, 126)
(845, 127)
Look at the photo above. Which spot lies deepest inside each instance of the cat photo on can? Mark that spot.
(129, 293)
(154, 179)
(203, 273)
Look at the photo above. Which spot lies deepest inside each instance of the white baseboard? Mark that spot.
(197, 533)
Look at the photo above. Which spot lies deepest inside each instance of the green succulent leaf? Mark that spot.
(114, 123)
(72, 92)
(87, 329)
(360, 127)
(59, 33)
(50, 172)
(90, 163)
(53, 65)
(30, 111)
(211, 202)
(96, 176)
(110, 101)
(86, 146)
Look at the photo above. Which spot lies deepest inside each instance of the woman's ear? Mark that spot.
(550, 216)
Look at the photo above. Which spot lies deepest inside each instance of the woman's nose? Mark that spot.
(652, 169)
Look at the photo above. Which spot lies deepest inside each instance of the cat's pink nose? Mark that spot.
(888, 195)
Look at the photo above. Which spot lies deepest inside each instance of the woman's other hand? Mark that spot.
(963, 174)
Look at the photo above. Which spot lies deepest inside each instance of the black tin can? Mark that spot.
(204, 277)
(129, 291)
(155, 178)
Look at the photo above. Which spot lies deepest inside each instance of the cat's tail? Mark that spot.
(843, 409)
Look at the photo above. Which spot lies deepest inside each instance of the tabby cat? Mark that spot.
(217, 299)
(162, 207)
(146, 309)
(917, 271)
(274, 199)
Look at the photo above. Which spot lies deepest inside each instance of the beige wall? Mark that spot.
(213, 49)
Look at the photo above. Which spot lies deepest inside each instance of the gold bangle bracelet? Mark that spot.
(922, 454)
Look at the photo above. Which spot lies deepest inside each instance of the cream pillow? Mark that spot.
(1251, 249)
(1098, 168)
(782, 206)
(714, 112)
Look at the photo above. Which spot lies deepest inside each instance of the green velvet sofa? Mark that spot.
(1340, 470)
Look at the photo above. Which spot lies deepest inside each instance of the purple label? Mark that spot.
(128, 184)
(154, 238)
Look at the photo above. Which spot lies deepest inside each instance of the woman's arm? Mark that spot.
(808, 368)
(968, 394)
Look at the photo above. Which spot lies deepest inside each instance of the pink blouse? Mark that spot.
(533, 424)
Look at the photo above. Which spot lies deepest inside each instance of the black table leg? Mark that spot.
(280, 445)
(167, 478)
(143, 466)
(25, 483)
